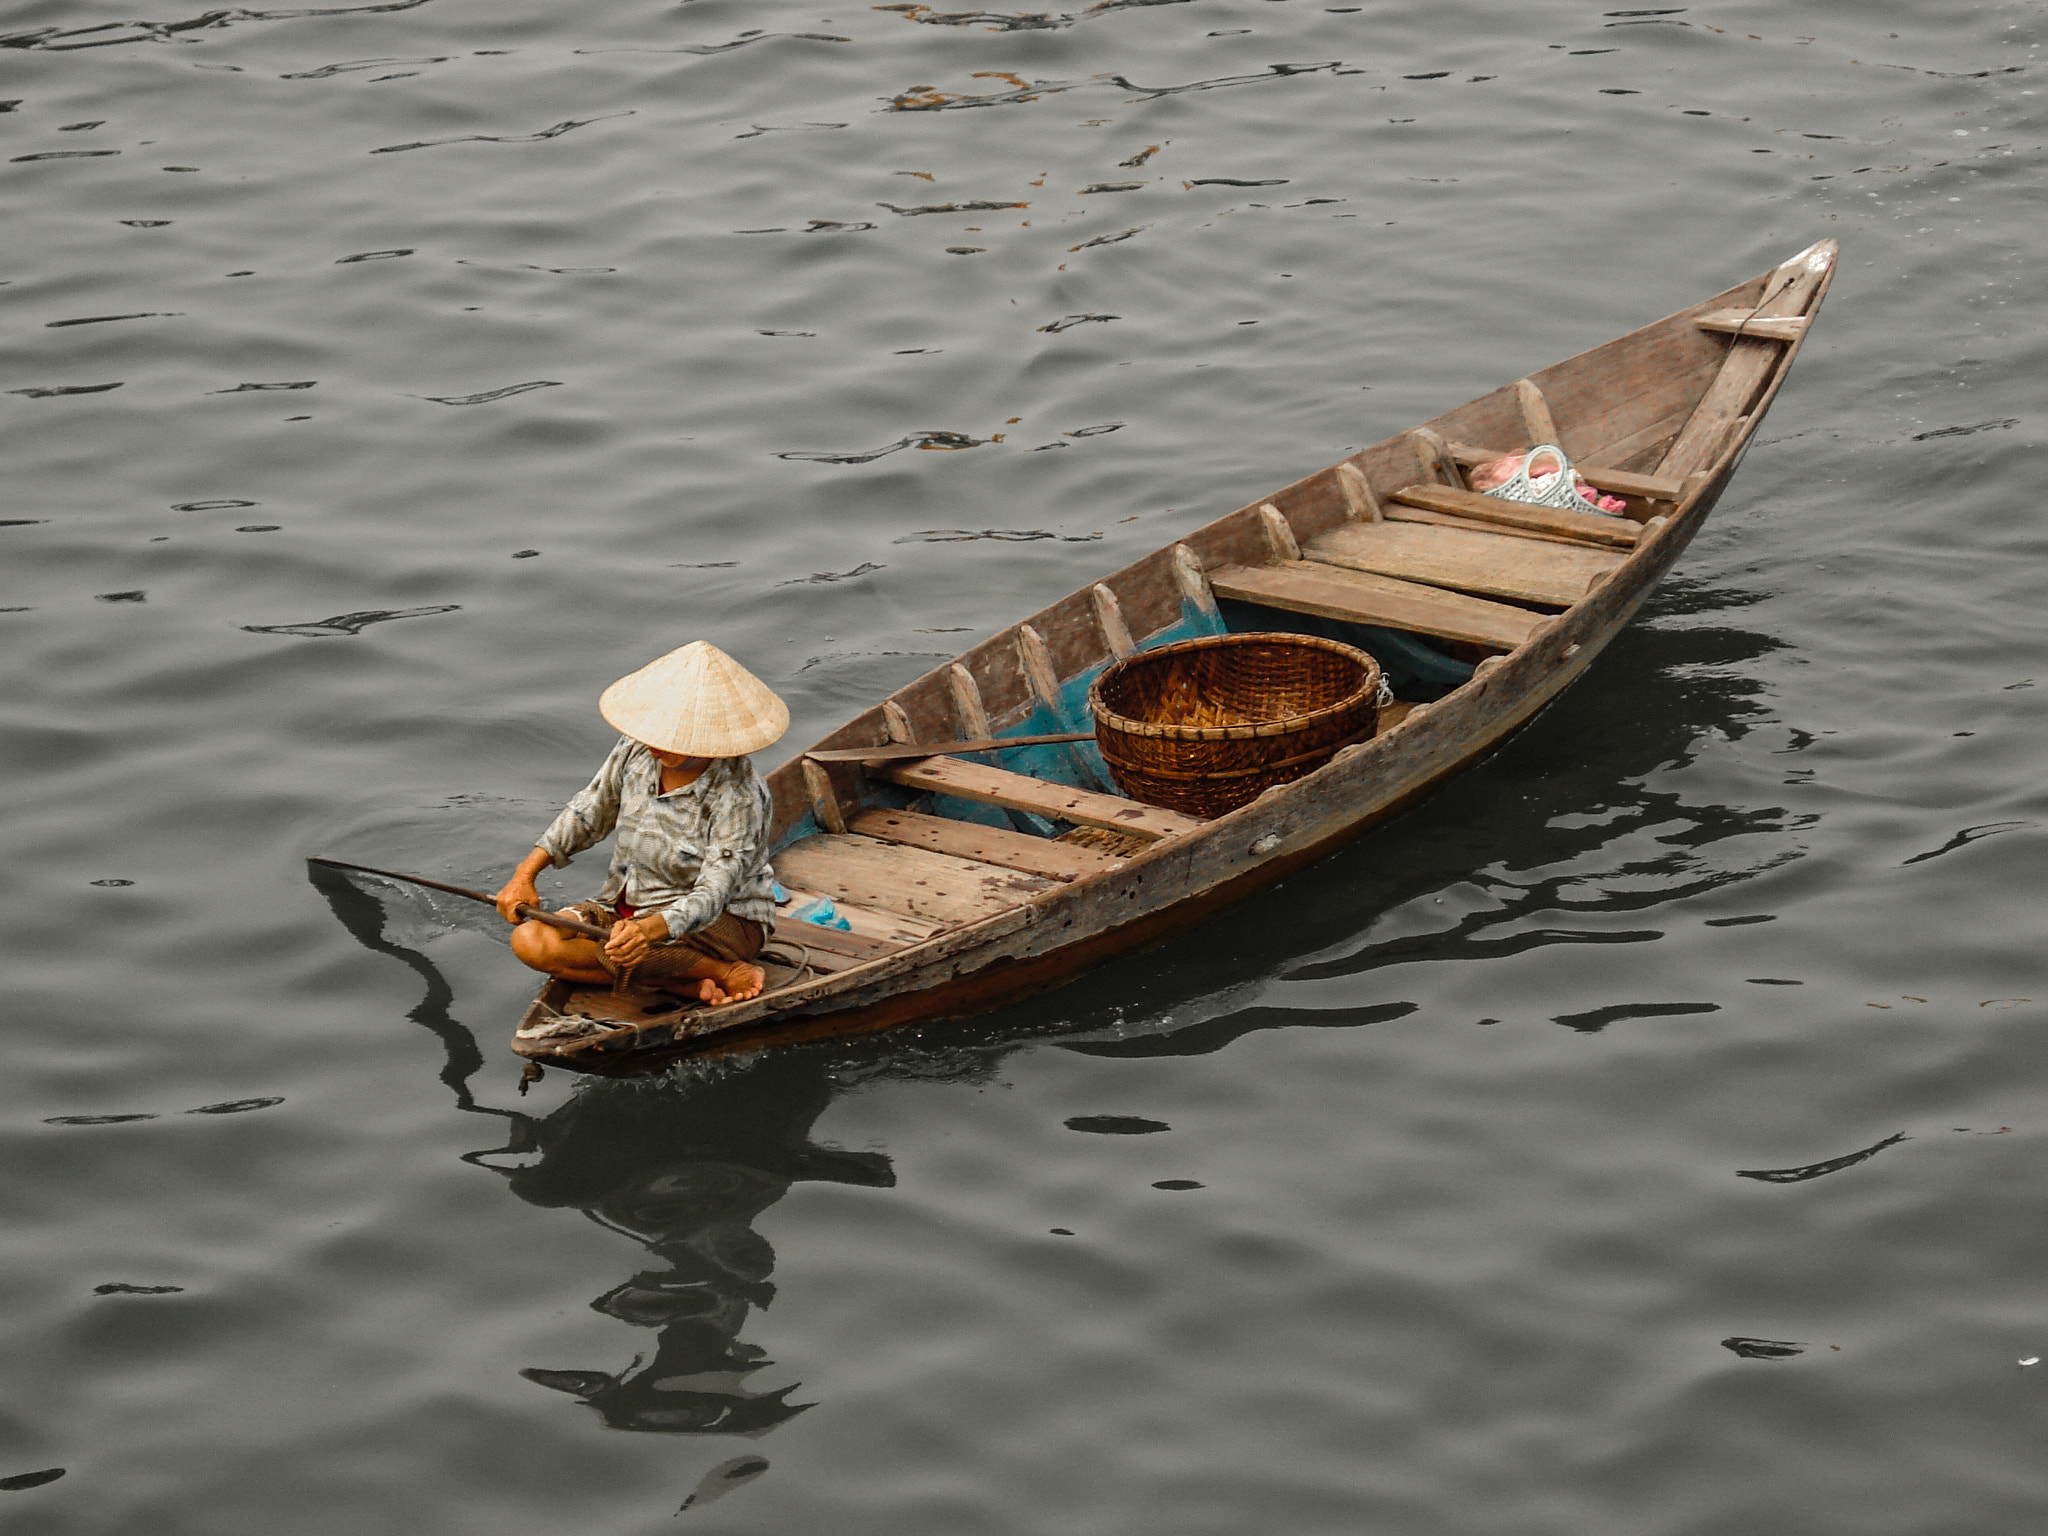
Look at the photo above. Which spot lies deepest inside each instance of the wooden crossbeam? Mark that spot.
(1585, 527)
(1743, 322)
(1019, 792)
(984, 845)
(1356, 597)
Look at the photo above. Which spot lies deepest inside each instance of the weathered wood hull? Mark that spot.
(1637, 400)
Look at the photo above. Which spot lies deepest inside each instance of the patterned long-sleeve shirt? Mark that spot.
(690, 854)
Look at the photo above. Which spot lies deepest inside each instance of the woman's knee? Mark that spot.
(535, 944)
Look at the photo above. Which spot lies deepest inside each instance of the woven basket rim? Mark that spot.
(1284, 727)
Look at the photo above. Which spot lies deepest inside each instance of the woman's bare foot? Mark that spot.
(733, 983)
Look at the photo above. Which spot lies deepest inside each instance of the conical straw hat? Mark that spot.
(697, 701)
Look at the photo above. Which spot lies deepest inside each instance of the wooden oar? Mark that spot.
(894, 750)
(552, 919)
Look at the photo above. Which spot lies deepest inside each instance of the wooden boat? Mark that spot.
(957, 873)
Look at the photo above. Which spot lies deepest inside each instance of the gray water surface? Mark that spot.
(382, 380)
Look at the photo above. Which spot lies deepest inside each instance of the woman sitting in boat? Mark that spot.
(690, 898)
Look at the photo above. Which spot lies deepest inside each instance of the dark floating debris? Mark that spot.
(761, 128)
(489, 395)
(21, 522)
(1271, 72)
(1817, 1170)
(243, 389)
(966, 250)
(112, 882)
(818, 577)
(259, 528)
(1103, 240)
(137, 596)
(95, 1119)
(1981, 426)
(50, 391)
(329, 71)
(1763, 1349)
(212, 506)
(348, 623)
(1178, 1184)
(21, 1480)
(1117, 1125)
(1107, 426)
(1061, 1231)
(785, 333)
(64, 154)
(1739, 922)
(993, 21)
(975, 207)
(1001, 21)
(1596, 1019)
(822, 226)
(59, 39)
(123, 1288)
(1113, 186)
(1435, 74)
(524, 554)
(1234, 181)
(935, 440)
(1068, 322)
(145, 223)
(1005, 535)
(1967, 835)
(705, 565)
(1615, 90)
(342, 261)
(723, 1478)
(235, 1107)
(705, 50)
(498, 138)
(147, 314)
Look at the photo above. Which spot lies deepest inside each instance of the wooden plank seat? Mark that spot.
(871, 932)
(826, 962)
(1467, 559)
(1616, 482)
(984, 845)
(853, 948)
(1358, 597)
(1018, 792)
(1395, 512)
(1581, 527)
(913, 882)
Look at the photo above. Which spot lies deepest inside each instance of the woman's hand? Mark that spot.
(518, 892)
(631, 940)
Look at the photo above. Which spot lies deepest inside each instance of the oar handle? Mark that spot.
(566, 924)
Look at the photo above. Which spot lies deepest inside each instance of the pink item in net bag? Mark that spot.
(1500, 471)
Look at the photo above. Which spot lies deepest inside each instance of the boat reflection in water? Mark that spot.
(681, 1164)
(685, 1168)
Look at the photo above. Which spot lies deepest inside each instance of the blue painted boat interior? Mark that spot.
(1415, 668)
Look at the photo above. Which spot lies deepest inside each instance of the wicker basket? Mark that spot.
(1205, 726)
